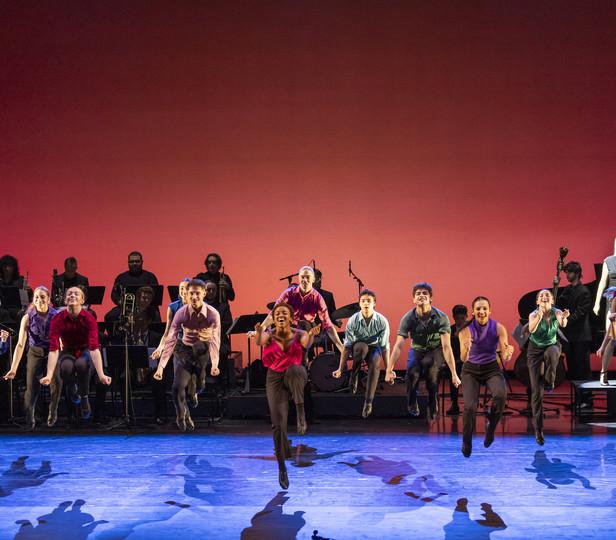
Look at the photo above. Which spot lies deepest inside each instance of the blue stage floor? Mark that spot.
(346, 486)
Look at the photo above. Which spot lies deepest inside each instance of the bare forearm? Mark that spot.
(97, 360)
(52, 361)
(331, 332)
(451, 362)
(343, 358)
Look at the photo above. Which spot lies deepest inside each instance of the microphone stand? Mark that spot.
(289, 278)
(360, 283)
(11, 347)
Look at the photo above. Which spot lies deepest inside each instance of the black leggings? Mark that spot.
(76, 370)
(473, 376)
(372, 355)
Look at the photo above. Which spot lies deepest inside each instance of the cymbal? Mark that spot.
(346, 311)
(271, 305)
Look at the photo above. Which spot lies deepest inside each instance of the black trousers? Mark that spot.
(279, 386)
(426, 364)
(473, 376)
(542, 364)
(372, 355)
(76, 370)
(188, 361)
(36, 368)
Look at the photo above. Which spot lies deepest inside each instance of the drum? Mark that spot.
(321, 373)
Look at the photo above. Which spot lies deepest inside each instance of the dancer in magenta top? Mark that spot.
(282, 354)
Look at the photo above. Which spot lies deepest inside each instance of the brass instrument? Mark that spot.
(128, 311)
(57, 286)
(222, 293)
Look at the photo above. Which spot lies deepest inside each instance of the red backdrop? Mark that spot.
(460, 143)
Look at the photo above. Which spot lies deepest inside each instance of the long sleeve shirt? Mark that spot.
(306, 306)
(78, 334)
(188, 319)
(372, 332)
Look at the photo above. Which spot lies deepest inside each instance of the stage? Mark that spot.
(350, 479)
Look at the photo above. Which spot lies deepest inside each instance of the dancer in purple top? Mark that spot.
(479, 342)
(34, 329)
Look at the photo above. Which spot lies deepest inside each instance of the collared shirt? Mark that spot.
(188, 319)
(306, 306)
(374, 331)
(38, 327)
(425, 335)
(78, 334)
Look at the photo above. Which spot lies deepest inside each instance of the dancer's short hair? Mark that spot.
(422, 285)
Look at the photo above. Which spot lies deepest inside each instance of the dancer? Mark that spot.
(77, 329)
(366, 339)
(194, 351)
(34, 329)
(543, 353)
(429, 331)
(606, 351)
(479, 341)
(172, 309)
(282, 355)
(607, 280)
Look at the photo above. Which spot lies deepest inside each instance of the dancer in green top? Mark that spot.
(543, 353)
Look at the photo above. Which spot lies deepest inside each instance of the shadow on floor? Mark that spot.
(272, 524)
(555, 472)
(19, 476)
(462, 527)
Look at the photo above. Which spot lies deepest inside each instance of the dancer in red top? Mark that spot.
(282, 354)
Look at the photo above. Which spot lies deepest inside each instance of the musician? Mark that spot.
(328, 296)
(172, 309)
(543, 353)
(69, 278)
(144, 314)
(135, 275)
(34, 329)
(282, 355)
(213, 264)
(479, 341)
(606, 351)
(578, 300)
(307, 305)
(10, 277)
(198, 348)
(430, 334)
(78, 331)
(366, 339)
(460, 319)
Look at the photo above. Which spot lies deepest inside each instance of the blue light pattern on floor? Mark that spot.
(384, 486)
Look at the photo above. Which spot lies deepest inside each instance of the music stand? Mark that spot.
(130, 356)
(174, 292)
(157, 300)
(12, 330)
(95, 295)
(11, 297)
(242, 325)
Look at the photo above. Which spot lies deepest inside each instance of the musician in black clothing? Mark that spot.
(460, 318)
(69, 278)
(577, 299)
(213, 265)
(327, 295)
(136, 275)
(10, 277)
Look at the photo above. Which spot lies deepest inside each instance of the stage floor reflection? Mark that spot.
(343, 486)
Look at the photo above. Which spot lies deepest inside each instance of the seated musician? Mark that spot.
(213, 266)
(367, 340)
(136, 275)
(69, 278)
(10, 277)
